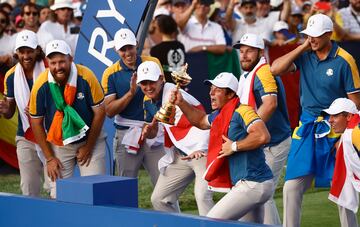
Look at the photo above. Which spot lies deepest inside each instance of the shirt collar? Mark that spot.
(332, 54)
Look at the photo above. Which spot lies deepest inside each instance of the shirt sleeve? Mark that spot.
(264, 82)
(248, 115)
(9, 86)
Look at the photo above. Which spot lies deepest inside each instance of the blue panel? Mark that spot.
(101, 31)
(98, 190)
(19, 211)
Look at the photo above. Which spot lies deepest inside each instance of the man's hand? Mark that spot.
(176, 97)
(226, 148)
(53, 166)
(149, 130)
(83, 156)
(195, 154)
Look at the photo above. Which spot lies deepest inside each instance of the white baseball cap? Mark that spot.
(276, 3)
(124, 37)
(148, 70)
(280, 25)
(57, 46)
(161, 11)
(317, 25)
(224, 80)
(59, 4)
(251, 40)
(26, 38)
(341, 105)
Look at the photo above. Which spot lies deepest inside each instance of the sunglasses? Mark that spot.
(2, 21)
(31, 13)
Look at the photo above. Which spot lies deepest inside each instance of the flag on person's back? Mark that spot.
(345, 186)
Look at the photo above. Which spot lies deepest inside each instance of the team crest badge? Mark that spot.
(329, 72)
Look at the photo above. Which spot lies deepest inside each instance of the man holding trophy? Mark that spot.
(236, 159)
(185, 145)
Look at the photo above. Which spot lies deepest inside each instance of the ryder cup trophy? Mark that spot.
(166, 114)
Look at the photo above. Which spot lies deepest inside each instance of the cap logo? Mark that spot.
(25, 38)
(80, 95)
(219, 76)
(145, 70)
(311, 22)
(244, 38)
(55, 45)
(329, 72)
(123, 35)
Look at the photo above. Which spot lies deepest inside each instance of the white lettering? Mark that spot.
(101, 56)
(111, 13)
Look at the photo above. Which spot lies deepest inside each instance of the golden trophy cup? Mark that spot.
(166, 114)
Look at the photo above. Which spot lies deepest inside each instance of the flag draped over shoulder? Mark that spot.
(182, 134)
(217, 172)
(246, 85)
(345, 186)
(67, 126)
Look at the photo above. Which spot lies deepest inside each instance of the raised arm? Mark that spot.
(182, 19)
(196, 117)
(115, 106)
(284, 63)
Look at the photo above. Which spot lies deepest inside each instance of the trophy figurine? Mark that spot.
(166, 114)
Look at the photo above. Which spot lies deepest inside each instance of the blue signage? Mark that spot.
(102, 19)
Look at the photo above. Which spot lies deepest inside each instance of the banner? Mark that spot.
(102, 19)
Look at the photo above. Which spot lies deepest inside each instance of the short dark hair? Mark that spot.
(166, 24)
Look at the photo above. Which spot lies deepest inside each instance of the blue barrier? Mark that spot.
(20, 211)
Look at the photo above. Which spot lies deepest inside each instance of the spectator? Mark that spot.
(249, 23)
(186, 161)
(45, 13)
(263, 11)
(5, 50)
(296, 23)
(197, 33)
(351, 18)
(61, 27)
(81, 140)
(30, 16)
(23, 75)
(327, 72)
(124, 101)
(282, 36)
(170, 52)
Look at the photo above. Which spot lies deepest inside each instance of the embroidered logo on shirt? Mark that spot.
(80, 95)
(329, 72)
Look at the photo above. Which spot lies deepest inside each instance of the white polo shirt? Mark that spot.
(194, 34)
(260, 28)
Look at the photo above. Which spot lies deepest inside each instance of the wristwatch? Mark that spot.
(204, 48)
(234, 146)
